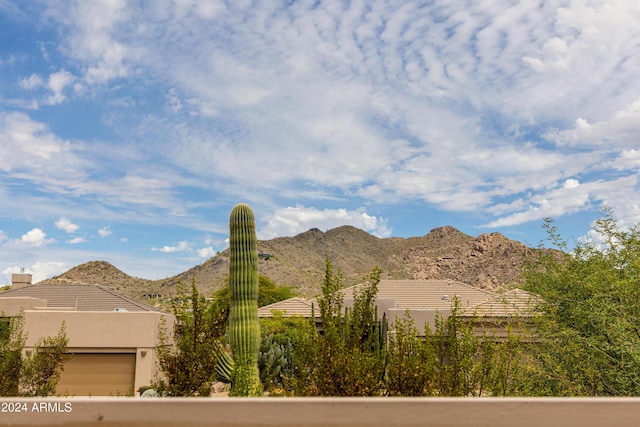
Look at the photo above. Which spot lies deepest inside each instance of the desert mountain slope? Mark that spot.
(488, 261)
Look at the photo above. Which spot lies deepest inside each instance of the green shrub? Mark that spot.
(590, 308)
(188, 366)
(37, 374)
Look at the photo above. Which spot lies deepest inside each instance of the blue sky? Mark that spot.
(129, 129)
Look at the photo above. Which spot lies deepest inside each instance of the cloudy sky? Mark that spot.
(129, 129)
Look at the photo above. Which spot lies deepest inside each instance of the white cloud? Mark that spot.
(619, 130)
(34, 81)
(180, 247)
(583, 54)
(247, 95)
(66, 225)
(571, 183)
(105, 232)
(57, 83)
(35, 238)
(173, 100)
(27, 143)
(294, 220)
(377, 74)
(568, 197)
(76, 240)
(140, 189)
(31, 153)
(574, 195)
(207, 252)
(91, 25)
(628, 160)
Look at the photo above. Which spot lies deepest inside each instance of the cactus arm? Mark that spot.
(224, 368)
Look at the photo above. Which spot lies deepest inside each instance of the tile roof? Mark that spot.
(516, 302)
(426, 294)
(292, 307)
(407, 294)
(79, 297)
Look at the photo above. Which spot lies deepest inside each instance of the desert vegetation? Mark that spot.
(33, 374)
(582, 340)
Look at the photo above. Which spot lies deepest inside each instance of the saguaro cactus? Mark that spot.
(244, 326)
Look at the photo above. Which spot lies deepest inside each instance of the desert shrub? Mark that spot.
(12, 340)
(188, 366)
(409, 370)
(41, 370)
(297, 337)
(590, 303)
(36, 374)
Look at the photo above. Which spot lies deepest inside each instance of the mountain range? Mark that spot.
(488, 261)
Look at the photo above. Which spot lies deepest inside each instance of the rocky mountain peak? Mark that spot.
(488, 261)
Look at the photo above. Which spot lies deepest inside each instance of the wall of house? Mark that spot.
(104, 332)
(96, 328)
(11, 306)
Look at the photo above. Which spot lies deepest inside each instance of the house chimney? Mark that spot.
(20, 280)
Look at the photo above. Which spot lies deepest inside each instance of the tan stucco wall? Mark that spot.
(96, 329)
(104, 332)
(11, 306)
(328, 412)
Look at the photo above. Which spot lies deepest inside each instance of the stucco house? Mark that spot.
(112, 338)
(423, 299)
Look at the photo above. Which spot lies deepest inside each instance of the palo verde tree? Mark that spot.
(590, 336)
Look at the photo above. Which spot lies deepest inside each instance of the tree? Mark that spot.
(268, 293)
(452, 360)
(189, 365)
(351, 349)
(41, 371)
(410, 369)
(297, 336)
(12, 341)
(590, 336)
(345, 358)
(456, 347)
(37, 374)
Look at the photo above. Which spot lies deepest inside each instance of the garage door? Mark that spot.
(98, 375)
